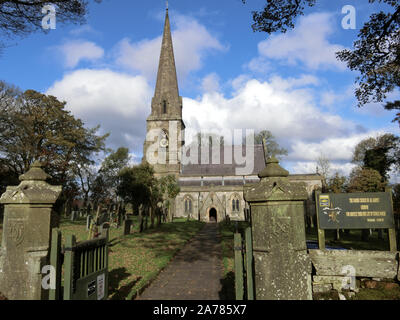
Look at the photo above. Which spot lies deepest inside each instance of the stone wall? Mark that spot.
(348, 269)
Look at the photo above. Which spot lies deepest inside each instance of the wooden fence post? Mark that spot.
(249, 264)
(321, 232)
(69, 263)
(238, 266)
(55, 261)
(392, 231)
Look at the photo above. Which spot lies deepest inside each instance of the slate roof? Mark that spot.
(221, 169)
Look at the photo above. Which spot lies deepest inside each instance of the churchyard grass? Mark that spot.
(136, 259)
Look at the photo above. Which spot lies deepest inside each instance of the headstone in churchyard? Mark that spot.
(127, 226)
(28, 220)
(104, 217)
(73, 215)
(104, 228)
(282, 266)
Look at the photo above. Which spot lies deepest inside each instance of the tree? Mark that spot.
(337, 183)
(22, 17)
(111, 166)
(212, 139)
(86, 174)
(38, 127)
(168, 186)
(366, 180)
(376, 53)
(168, 189)
(99, 193)
(324, 168)
(34, 126)
(378, 153)
(136, 185)
(279, 15)
(396, 198)
(139, 186)
(273, 148)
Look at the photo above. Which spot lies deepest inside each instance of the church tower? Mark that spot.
(164, 138)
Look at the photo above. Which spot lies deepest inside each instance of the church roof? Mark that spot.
(221, 167)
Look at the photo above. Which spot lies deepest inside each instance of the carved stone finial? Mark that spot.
(35, 173)
(273, 169)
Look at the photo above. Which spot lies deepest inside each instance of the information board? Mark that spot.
(355, 210)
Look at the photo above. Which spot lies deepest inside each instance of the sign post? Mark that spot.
(392, 231)
(364, 210)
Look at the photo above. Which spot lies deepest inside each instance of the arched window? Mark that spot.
(235, 204)
(165, 106)
(188, 205)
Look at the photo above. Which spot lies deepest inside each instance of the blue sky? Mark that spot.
(229, 76)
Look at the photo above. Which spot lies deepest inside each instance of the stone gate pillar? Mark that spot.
(282, 266)
(28, 219)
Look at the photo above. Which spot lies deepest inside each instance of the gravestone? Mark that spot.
(282, 266)
(73, 215)
(28, 220)
(127, 226)
(104, 217)
(104, 229)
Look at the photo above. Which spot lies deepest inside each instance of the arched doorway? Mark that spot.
(213, 215)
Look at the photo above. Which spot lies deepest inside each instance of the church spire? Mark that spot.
(167, 82)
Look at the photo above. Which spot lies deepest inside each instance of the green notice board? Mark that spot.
(355, 210)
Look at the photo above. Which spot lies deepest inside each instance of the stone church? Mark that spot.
(209, 190)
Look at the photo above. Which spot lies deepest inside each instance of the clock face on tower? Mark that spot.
(163, 139)
(164, 142)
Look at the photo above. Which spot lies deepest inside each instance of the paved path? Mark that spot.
(194, 273)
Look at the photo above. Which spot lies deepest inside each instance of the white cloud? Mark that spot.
(76, 50)
(210, 83)
(376, 109)
(284, 107)
(333, 148)
(329, 98)
(85, 29)
(289, 83)
(343, 168)
(306, 44)
(259, 65)
(191, 41)
(118, 102)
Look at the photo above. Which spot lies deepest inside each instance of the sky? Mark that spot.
(229, 76)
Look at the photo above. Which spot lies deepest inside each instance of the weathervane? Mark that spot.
(167, 4)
